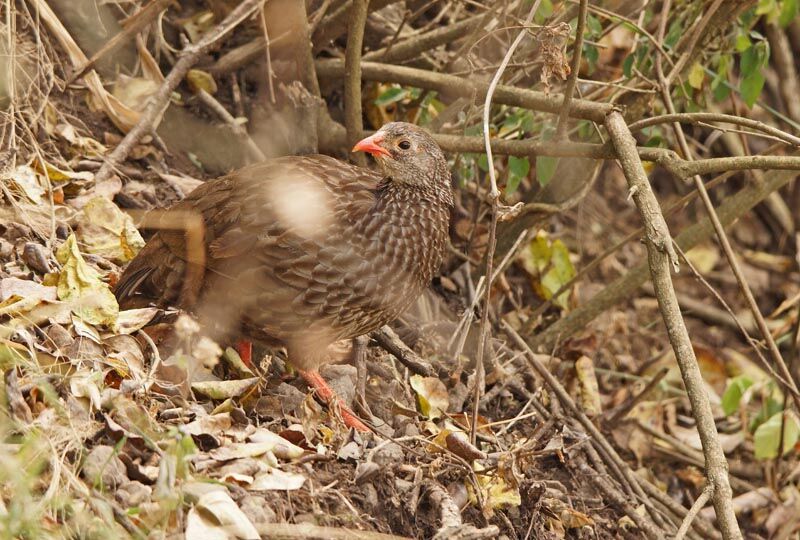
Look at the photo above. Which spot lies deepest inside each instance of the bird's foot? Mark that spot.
(326, 394)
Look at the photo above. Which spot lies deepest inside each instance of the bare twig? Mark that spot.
(160, 100)
(621, 288)
(564, 398)
(216, 107)
(391, 342)
(414, 45)
(575, 65)
(619, 500)
(788, 84)
(697, 117)
(304, 531)
(699, 503)
(134, 24)
(352, 80)
(661, 255)
(623, 409)
(268, 54)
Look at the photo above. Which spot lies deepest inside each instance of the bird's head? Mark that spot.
(406, 153)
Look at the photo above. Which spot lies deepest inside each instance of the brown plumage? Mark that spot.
(305, 251)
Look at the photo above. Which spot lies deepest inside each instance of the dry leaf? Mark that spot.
(431, 395)
(80, 285)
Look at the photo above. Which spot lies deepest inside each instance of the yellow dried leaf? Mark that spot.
(696, 75)
(590, 391)
(79, 284)
(198, 79)
(107, 231)
(431, 395)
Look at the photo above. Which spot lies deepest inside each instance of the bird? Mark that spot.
(302, 252)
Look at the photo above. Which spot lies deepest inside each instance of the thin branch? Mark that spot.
(733, 207)
(693, 39)
(391, 342)
(414, 45)
(216, 107)
(564, 398)
(352, 83)
(695, 118)
(693, 511)
(573, 75)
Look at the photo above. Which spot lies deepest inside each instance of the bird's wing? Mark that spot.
(264, 228)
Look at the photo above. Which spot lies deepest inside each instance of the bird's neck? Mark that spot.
(413, 221)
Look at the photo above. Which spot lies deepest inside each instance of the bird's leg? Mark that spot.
(360, 357)
(326, 394)
(245, 349)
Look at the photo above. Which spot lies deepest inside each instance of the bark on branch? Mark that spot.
(660, 256)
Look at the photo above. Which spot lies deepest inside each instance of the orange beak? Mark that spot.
(372, 145)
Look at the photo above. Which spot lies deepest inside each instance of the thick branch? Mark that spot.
(352, 81)
(660, 255)
(450, 84)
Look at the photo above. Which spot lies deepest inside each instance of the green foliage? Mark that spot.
(391, 95)
(732, 397)
(751, 63)
(767, 437)
(550, 266)
(518, 168)
(788, 13)
(545, 169)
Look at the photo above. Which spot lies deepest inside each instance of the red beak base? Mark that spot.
(372, 145)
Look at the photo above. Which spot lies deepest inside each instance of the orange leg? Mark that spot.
(245, 349)
(326, 394)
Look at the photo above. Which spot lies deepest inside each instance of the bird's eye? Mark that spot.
(404, 145)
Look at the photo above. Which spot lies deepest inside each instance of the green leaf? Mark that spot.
(540, 252)
(518, 168)
(696, 75)
(721, 89)
(545, 169)
(743, 43)
(734, 392)
(750, 88)
(674, 34)
(483, 163)
(550, 267)
(788, 13)
(593, 25)
(544, 12)
(748, 63)
(79, 284)
(766, 7)
(627, 66)
(768, 435)
(561, 272)
(592, 55)
(392, 95)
